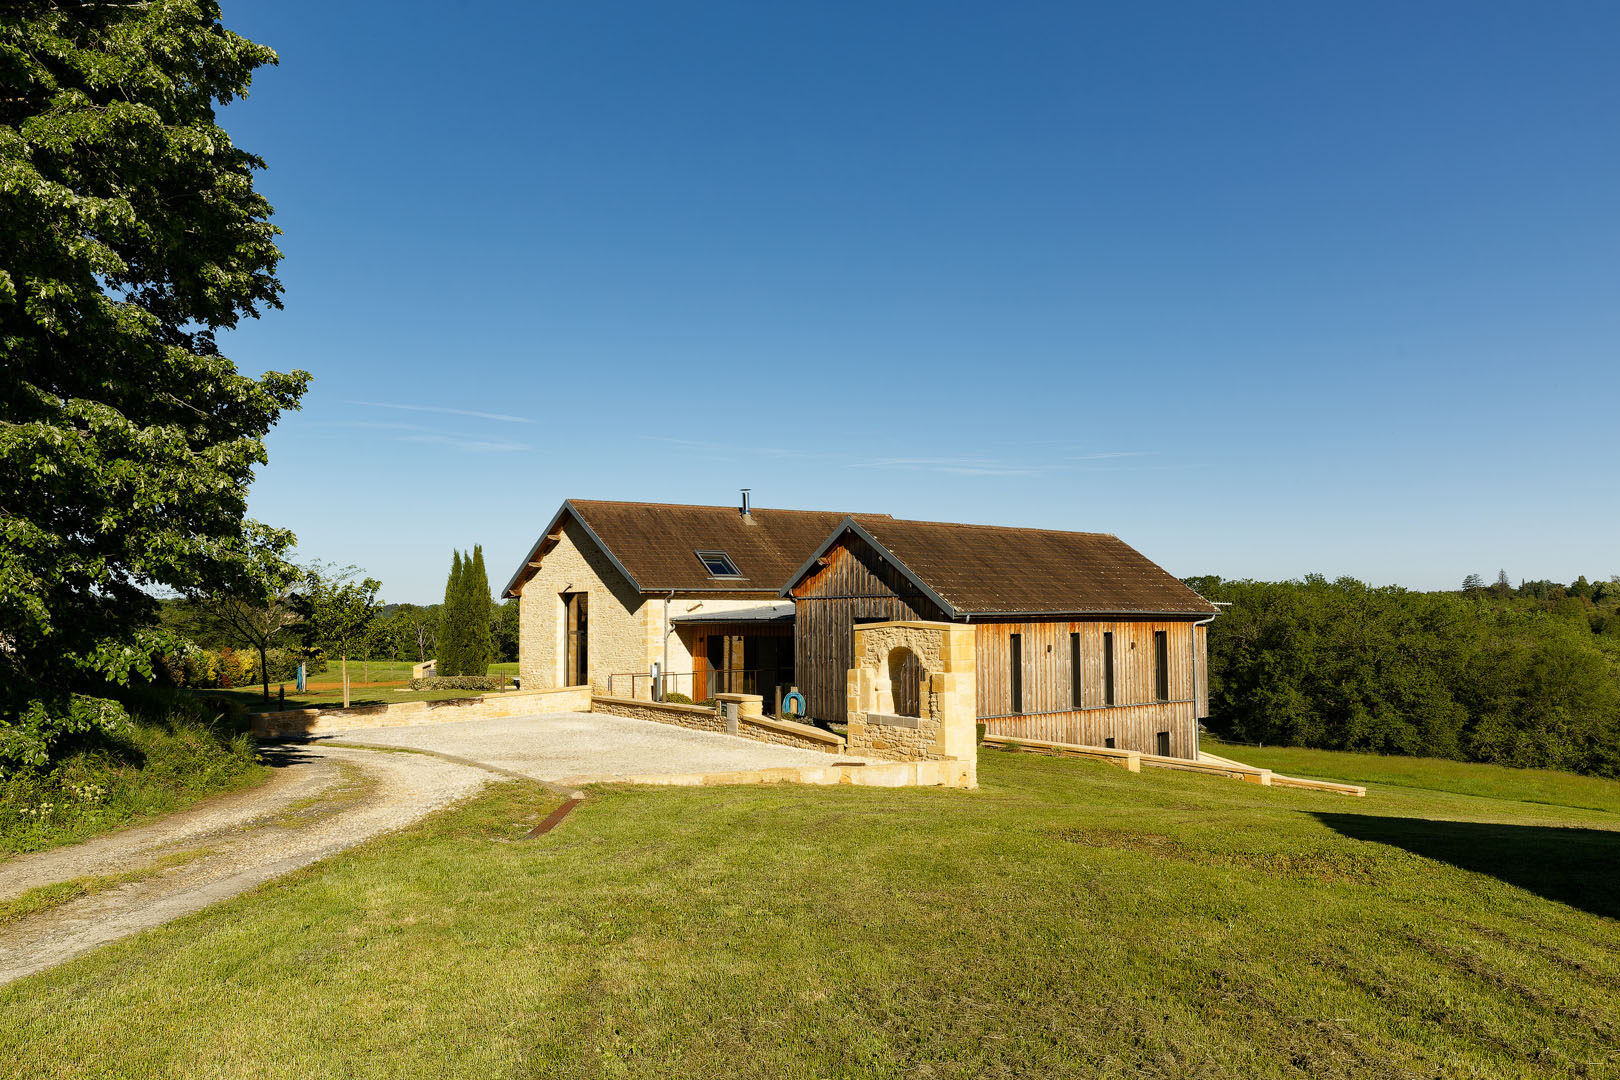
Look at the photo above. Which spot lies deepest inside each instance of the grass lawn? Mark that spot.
(385, 682)
(253, 700)
(1069, 919)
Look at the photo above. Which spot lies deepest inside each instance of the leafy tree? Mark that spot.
(337, 612)
(132, 235)
(1343, 665)
(504, 630)
(1473, 583)
(253, 609)
(416, 632)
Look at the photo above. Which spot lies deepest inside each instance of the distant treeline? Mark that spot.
(1526, 676)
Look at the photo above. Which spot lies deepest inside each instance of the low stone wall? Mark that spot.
(764, 729)
(695, 717)
(410, 713)
(789, 733)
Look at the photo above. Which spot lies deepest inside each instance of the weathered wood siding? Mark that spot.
(852, 585)
(1132, 727)
(1049, 711)
(1201, 690)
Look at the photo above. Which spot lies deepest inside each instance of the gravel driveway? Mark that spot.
(320, 801)
(584, 748)
(323, 799)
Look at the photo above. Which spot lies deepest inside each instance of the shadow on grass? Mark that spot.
(1578, 867)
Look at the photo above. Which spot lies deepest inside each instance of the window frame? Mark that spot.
(1108, 669)
(704, 557)
(1077, 694)
(1015, 673)
(1161, 665)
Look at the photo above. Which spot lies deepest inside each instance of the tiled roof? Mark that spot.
(985, 570)
(655, 543)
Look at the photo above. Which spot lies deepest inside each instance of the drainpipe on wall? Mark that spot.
(663, 671)
(1196, 625)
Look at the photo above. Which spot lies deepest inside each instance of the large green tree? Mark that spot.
(131, 236)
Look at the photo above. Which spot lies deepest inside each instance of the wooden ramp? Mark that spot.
(1133, 761)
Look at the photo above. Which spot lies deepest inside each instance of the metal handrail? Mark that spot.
(722, 681)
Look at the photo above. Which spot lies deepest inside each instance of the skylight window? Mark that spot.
(718, 564)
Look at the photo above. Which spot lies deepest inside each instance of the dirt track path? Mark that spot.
(322, 800)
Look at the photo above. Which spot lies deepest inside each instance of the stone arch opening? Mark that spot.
(906, 675)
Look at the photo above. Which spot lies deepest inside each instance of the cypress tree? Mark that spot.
(452, 649)
(480, 643)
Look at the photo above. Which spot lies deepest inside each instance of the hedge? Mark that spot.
(460, 682)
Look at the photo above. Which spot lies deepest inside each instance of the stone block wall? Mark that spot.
(295, 722)
(618, 632)
(749, 725)
(686, 716)
(945, 730)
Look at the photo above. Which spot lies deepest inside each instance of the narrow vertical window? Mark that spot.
(1074, 672)
(1015, 663)
(1161, 666)
(1164, 744)
(1108, 667)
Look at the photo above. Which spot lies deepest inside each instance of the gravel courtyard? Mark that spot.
(583, 748)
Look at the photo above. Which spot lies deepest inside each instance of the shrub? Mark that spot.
(677, 699)
(174, 747)
(460, 682)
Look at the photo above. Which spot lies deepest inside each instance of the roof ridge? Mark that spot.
(991, 528)
(710, 506)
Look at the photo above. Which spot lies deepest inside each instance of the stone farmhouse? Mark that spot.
(1073, 637)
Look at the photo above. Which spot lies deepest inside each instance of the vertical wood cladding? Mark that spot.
(852, 585)
(1048, 674)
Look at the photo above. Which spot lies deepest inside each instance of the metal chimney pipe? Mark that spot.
(745, 507)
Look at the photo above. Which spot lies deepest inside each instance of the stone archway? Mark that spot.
(937, 660)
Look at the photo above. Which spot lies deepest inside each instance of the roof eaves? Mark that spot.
(1093, 613)
(943, 604)
(597, 540)
(804, 568)
(568, 507)
(535, 549)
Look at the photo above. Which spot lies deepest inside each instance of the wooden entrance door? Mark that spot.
(577, 662)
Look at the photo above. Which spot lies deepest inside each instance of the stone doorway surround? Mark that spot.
(944, 728)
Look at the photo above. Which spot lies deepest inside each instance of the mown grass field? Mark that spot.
(384, 682)
(1069, 919)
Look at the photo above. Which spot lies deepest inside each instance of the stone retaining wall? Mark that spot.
(409, 713)
(764, 729)
(695, 717)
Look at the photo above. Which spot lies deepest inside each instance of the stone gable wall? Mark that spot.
(618, 631)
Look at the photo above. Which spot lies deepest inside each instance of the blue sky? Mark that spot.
(1264, 289)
